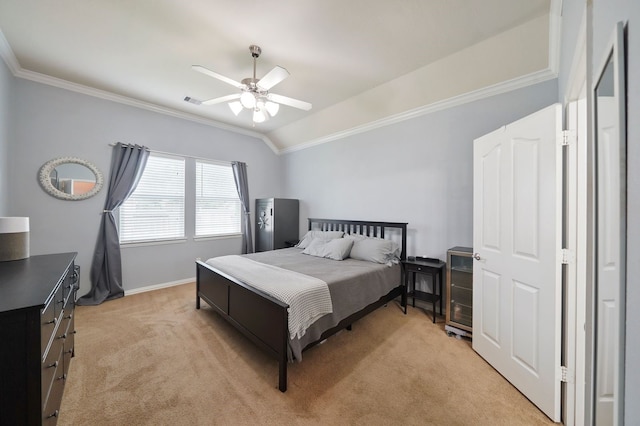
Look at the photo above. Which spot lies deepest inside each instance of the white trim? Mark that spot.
(578, 69)
(159, 286)
(8, 56)
(14, 66)
(496, 89)
(103, 94)
(555, 35)
(550, 72)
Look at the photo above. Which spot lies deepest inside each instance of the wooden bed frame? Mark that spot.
(264, 319)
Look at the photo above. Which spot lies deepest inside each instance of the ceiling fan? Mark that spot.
(254, 94)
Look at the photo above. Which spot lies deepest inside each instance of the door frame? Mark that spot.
(578, 240)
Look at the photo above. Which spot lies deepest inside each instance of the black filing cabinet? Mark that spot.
(277, 222)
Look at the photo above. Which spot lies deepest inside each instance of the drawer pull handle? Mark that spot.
(69, 317)
(63, 377)
(55, 364)
(55, 414)
(53, 321)
(60, 301)
(70, 351)
(62, 336)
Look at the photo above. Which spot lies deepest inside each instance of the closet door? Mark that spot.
(517, 270)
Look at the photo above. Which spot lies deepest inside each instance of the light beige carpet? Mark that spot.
(153, 359)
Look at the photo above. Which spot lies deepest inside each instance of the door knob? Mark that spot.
(476, 256)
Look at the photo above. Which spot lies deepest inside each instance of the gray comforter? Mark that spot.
(353, 284)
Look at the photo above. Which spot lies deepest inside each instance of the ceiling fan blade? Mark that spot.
(221, 99)
(273, 77)
(289, 101)
(210, 73)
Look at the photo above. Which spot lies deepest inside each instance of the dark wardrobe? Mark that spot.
(276, 223)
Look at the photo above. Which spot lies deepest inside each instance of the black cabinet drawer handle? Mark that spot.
(69, 317)
(63, 377)
(62, 336)
(55, 364)
(70, 351)
(53, 321)
(55, 414)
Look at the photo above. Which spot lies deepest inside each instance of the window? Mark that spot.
(218, 209)
(155, 210)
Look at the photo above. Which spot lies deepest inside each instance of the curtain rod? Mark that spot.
(177, 155)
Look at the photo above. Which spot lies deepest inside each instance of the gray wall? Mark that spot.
(605, 14)
(417, 171)
(5, 102)
(50, 122)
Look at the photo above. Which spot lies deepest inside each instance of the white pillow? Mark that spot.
(336, 249)
(324, 235)
(374, 249)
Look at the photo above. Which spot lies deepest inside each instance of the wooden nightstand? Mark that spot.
(433, 267)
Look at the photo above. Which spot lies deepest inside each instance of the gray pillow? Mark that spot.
(336, 249)
(375, 250)
(325, 235)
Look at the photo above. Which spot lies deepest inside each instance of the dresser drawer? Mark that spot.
(52, 367)
(69, 285)
(51, 316)
(51, 409)
(69, 341)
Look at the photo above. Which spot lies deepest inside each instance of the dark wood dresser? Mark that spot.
(37, 300)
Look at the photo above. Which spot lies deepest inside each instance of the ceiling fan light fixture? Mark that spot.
(259, 116)
(236, 107)
(248, 100)
(272, 108)
(254, 93)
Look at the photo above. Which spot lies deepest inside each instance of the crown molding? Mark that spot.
(103, 94)
(551, 72)
(14, 66)
(7, 55)
(497, 89)
(555, 19)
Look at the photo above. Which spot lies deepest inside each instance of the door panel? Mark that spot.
(609, 270)
(517, 224)
(490, 323)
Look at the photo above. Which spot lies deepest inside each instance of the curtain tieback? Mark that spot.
(107, 211)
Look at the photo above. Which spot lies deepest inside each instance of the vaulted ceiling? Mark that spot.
(361, 63)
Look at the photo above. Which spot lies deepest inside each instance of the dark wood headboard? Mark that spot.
(361, 227)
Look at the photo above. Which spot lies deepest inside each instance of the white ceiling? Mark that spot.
(335, 50)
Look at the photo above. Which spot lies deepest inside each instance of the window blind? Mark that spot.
(155, 210)
(218, 208)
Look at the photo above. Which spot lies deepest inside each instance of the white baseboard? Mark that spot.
(159, 286)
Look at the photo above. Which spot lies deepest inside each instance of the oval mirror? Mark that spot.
(70, 178)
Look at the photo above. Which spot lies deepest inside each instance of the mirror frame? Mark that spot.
(44, 176)
(614, 55)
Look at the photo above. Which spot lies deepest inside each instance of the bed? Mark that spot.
(264, 319)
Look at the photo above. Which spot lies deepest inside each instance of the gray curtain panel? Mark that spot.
(127, 165)
(242, 185)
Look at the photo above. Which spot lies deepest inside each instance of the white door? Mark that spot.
(609, 272)
(517, 271)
